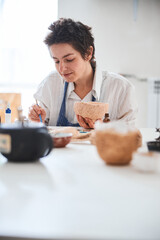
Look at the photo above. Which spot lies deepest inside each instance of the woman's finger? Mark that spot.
(35, 111)
(82, 122)
(90, 122)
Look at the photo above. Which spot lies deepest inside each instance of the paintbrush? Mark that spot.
(40, 117)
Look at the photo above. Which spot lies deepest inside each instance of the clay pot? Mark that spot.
(61, 139)
(92, 110)
(116, 148)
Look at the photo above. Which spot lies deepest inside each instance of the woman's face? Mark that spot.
(69, 62)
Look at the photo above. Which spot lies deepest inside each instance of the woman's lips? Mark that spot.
(67, 75)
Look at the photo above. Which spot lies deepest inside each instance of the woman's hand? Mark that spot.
(34, 112)
(86, 122)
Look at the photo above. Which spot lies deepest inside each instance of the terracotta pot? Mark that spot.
(92, 110)
(61, 139)
(116, 148)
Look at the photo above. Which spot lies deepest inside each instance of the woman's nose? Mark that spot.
(62, 67)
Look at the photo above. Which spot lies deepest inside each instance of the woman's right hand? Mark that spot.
(34, 112)
(86, 122)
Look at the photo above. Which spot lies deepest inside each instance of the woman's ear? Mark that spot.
(89, 53)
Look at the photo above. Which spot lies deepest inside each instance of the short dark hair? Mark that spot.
(66, 30)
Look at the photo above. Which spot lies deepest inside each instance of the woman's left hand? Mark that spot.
(86, 122)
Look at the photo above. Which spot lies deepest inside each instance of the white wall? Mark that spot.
(123, 44)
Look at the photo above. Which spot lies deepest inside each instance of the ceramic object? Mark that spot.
(61, 139)
(92, 110)
(116, 148)
(146, 161)
(56, 130)
(24, 142)
(153, 146)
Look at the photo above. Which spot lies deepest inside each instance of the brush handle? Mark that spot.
(40, 117)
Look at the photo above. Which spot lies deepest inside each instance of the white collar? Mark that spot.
(70, 89)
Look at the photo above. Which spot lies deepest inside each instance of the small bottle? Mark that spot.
(8, 114)
(106, 118)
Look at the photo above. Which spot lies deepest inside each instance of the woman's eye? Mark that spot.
(69, 60)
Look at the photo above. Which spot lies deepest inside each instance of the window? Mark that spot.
(24, 58)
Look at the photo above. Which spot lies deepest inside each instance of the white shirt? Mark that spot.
(108, 87)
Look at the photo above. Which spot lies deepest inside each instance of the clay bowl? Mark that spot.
(92, 110)
(115, 148)
(61, 139)
(153, 146)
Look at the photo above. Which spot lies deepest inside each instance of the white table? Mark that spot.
(73, 194)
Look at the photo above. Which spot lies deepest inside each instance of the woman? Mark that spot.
(78, 78)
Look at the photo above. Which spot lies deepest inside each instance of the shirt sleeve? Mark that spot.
(120, 94)
(43, 94)
(49, 95)
(128, 109)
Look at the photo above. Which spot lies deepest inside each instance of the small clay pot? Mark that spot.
(61, 139)
(92, 110)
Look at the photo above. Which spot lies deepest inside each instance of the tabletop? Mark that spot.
(73, 194)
